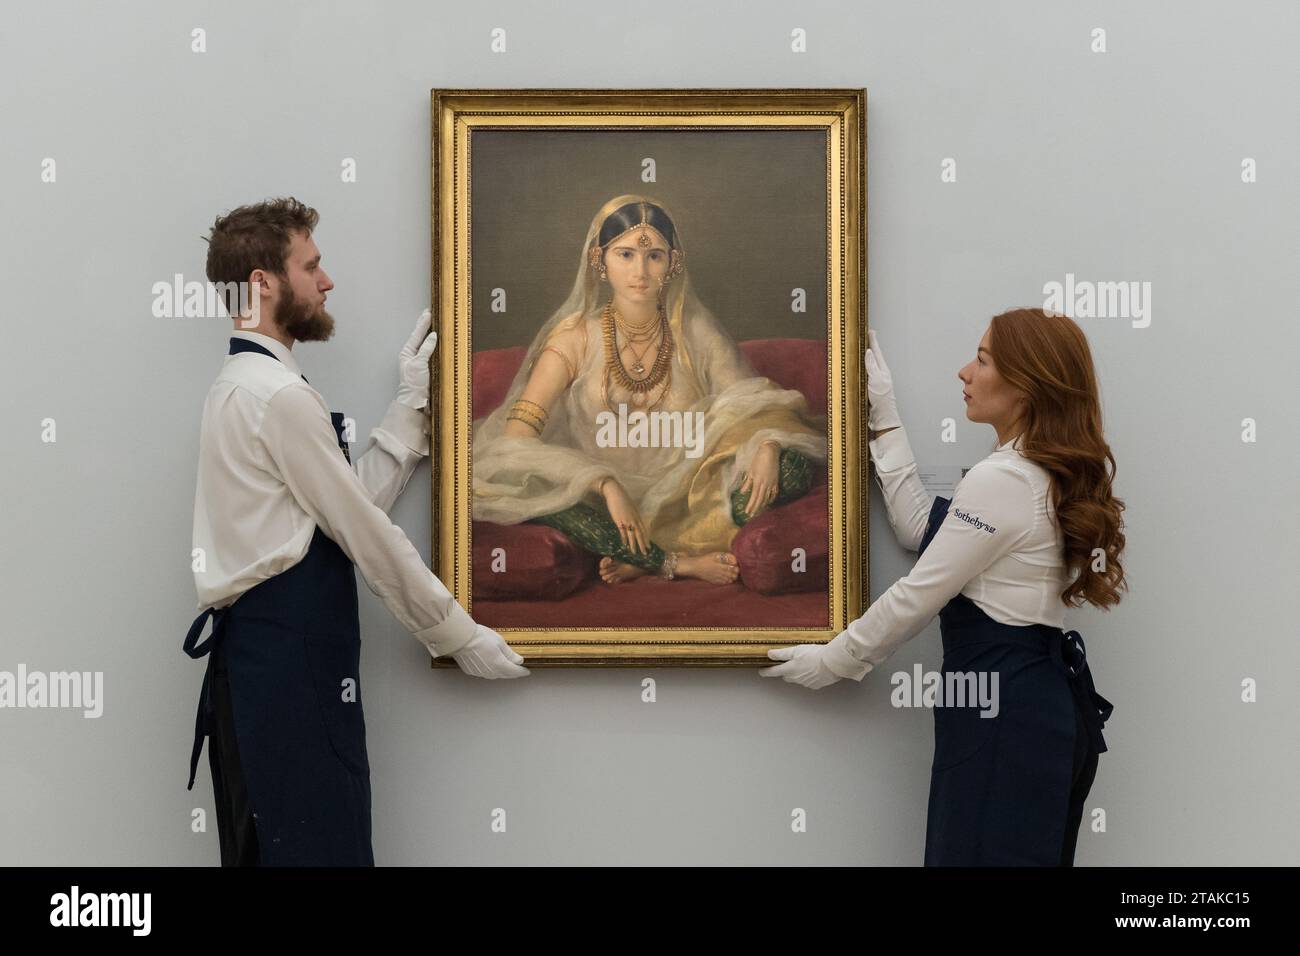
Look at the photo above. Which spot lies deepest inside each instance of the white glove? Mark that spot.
(488, 655)
(803, 665)
(413, 364)
(882, 413)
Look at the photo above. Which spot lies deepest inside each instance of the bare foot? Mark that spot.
(616, 572)
(707, 567)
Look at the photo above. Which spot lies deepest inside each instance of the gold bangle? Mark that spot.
(519, 409)
(514, 416)
(530, 414)
(527, 419)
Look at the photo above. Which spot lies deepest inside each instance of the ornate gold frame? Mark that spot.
(842, 114)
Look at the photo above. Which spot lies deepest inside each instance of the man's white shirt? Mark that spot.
(999, 545)
(271, 471)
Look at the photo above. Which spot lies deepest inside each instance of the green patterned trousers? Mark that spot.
(594, 530)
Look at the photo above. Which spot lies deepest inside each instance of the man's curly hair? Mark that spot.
(256, 237)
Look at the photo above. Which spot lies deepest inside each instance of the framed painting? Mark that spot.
(648, 399)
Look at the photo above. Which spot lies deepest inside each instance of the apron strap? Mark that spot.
(244, 345)
(191, 645)
(197, 650)
(1096, 709)
(238, 346)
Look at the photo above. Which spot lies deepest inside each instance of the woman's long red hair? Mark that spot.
(1046, 356)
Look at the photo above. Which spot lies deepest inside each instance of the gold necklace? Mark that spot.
(631, 329)
(614, 368)
(604, 392)
(637, 367)
(636, 339)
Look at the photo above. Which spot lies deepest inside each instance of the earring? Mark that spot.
(674, 268)
(675, 262)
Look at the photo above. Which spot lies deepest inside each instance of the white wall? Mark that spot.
(1116, 166)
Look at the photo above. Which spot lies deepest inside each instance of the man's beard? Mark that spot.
(303, 323)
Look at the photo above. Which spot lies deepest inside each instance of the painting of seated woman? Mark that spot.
(636, 465)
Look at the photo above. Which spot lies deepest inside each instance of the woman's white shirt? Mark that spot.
(999, 545)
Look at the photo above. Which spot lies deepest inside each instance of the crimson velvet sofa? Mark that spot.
(550, 581)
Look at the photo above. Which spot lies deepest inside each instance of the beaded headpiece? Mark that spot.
(675, 258)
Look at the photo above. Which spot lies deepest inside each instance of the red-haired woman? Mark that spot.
(1030, 530)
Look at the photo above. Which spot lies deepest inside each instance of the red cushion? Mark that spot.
(792, 363)
(540, 562)
(764, 546)
(494, 369)
(544, 564)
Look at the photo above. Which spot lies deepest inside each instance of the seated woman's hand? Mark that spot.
(627, 516)
(763, 479)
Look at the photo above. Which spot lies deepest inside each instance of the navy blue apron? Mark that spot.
(1000, 787)
(291, 645)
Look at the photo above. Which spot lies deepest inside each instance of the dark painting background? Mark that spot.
(750, 206)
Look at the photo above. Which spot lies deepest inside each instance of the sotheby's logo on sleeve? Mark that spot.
(967, 517)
